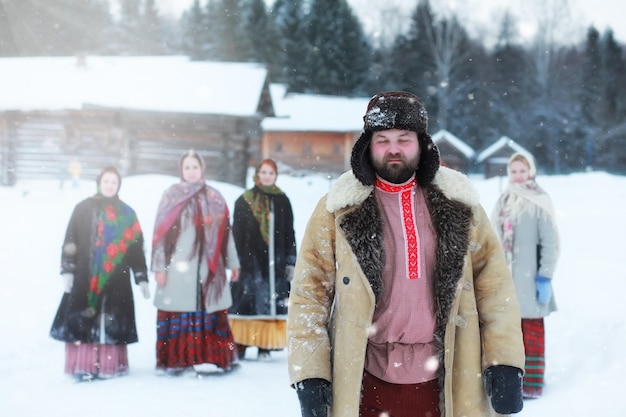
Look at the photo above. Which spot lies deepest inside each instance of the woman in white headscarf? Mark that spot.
(525, 221)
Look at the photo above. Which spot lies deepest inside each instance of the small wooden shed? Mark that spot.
(139, 114)
(454, 153)
(495, 158)
(312, 132)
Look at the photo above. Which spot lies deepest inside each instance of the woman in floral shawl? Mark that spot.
(96, 317)
(525, 222)
(263, 231)
(191, 249)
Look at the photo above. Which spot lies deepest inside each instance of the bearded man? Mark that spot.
(402, 303)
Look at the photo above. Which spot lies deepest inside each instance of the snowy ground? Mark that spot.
(585, 338)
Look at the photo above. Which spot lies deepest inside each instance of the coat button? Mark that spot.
(346, 280)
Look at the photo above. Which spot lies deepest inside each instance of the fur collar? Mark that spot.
(349, 191)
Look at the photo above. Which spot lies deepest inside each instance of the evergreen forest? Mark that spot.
(566, 103)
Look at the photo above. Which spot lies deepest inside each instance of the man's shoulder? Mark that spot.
(456, 186)
(347, 191)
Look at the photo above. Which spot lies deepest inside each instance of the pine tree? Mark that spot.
(228, 41)
(338, 54)
(194, 29)
(289, 20)
(261, 31)
(53, 27)
(125, 38)
(151, 30)
(613, 70)
(412, 65)
(591, 94)
(510, 87)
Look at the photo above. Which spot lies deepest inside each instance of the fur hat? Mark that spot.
(395, 110)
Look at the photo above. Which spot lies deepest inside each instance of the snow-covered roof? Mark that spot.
(312, 112)
(499, 144)
(454, 141)
(161, 83)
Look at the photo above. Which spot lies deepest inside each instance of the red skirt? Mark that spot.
(380, 398)
(193, 338)
(534, 345)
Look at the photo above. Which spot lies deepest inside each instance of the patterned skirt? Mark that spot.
(96, 360)
(193, 338)
(534, 345)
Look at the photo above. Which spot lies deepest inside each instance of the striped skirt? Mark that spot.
(534, 345)
(193, 338)
(95, 359)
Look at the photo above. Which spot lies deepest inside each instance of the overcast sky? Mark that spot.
(482, 14)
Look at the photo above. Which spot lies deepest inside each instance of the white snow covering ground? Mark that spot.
(585, 338)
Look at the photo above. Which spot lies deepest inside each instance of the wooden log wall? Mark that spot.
(36, 145)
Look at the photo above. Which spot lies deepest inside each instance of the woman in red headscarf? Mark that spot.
(191, 249)
(263, 231)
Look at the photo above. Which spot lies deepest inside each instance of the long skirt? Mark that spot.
(534, 345)
(194, 338)
(265, 334)
(95, 360)
(381, 398)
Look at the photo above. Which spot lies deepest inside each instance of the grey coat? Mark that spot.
(185, 277)
(535, 251)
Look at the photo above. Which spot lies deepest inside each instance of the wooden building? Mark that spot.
(312, 132)
(136, 113)
(454, 153)
(495, 158)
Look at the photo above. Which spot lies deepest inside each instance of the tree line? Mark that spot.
(565, 103)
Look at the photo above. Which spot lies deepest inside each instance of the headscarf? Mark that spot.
(117, 229)
(210, 220)
(109, 170)
(259, 199)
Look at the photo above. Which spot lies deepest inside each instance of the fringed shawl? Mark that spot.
(210, 220)
(518, 199)
(258, 198)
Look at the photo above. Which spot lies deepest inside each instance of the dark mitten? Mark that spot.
(544, 289)
(315, 396)
(504, 385)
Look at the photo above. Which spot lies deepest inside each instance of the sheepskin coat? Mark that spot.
(338, 280)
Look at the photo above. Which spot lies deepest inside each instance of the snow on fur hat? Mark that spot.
(395, 110)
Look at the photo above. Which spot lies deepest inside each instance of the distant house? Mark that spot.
(312, 132)
(495, 158)
(454, 153)
(136, 113)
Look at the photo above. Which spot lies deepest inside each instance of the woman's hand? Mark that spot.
(160, 278)
(234, 275)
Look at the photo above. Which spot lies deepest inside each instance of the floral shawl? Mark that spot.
(210, 219)
(258, 198)
(117, 228)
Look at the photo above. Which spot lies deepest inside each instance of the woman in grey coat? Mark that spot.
(525, 222)
(192, 247)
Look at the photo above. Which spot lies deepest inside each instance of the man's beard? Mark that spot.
(398, 172)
